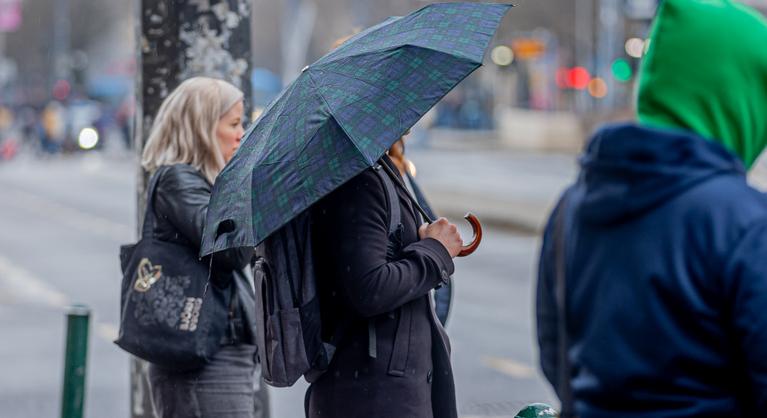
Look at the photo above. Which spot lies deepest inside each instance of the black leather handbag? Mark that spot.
(171, 314)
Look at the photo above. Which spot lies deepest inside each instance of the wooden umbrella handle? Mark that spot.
(477, 227)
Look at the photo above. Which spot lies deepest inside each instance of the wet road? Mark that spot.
(61, 222)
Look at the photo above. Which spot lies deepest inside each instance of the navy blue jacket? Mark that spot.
(666, 267)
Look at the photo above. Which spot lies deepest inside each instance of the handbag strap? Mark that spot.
(392, 199)
(560, 260)
(149, 214)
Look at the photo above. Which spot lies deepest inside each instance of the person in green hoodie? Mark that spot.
(705, 72)
(652, 282)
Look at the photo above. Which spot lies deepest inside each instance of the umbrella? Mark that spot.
(341, 115)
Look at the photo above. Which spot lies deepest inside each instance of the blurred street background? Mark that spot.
(503, 144)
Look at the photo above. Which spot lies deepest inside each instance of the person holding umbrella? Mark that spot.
(318, 152)
(444, 294)
(410, 375)
(196, 131)
(356, 218)
(652, 284)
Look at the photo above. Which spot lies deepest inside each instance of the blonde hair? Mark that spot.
(184, 130)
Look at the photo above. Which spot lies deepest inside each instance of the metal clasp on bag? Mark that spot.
(146, 275)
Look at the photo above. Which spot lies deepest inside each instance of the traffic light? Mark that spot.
(577, 78)
(528, 48)
(597, 88)
(621, 70)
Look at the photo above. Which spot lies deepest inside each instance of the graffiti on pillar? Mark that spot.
(159, 49)
(212, 47)
(178, 39)
(181, 39)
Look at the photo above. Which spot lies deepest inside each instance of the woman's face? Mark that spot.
(229, 131)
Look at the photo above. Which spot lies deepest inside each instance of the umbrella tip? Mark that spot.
(304, 69)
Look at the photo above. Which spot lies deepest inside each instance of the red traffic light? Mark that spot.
(573, 78)
(578, 78)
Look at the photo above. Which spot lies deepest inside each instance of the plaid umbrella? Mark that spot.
(341, 115)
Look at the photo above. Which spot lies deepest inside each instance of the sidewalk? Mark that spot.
(504, 188)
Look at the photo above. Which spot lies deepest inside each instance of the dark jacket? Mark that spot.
(666, 290)
(444, 294)
(411, 374)
(181, 205)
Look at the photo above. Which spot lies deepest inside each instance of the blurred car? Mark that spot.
(82, 125)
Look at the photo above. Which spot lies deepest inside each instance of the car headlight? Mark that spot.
(88, 138)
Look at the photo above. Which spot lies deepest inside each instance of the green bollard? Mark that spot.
(537, 410)
(73, 392)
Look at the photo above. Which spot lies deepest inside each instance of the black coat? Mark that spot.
(411, 374)
(181, 205)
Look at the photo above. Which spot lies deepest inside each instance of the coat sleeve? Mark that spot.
(182, 198)
(546, 306)
(745, 290)
(357, 215)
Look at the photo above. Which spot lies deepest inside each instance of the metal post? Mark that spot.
(179, 39)
(610, 40)
(61, 41)
(584, 39)
(73, 392)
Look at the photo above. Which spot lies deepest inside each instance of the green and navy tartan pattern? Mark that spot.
(342, 114)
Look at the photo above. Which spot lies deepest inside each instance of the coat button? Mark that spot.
(445, 277)
(429, 377)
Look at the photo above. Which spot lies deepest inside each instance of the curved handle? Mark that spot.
(477, 227)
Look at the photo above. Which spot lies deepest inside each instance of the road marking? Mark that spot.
(67, 215)
(509, 367)
(25, 286)
(22, 285)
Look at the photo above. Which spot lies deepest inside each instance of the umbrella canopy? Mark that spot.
(341, 115)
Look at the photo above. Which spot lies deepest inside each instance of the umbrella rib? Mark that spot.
(322, 97)
(319, 93)
(373, 85)
(354, 78)
(393, 47)
(398, 19)
(361, 98)
(385, 92)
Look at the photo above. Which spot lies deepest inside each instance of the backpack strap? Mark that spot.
(394, 235)
(394, 211)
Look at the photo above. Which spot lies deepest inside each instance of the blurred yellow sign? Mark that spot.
(527, 48)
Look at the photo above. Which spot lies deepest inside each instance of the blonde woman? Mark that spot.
(197, 130)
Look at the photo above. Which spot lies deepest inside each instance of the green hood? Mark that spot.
(706, 71)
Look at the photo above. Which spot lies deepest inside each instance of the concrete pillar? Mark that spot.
(178, 39)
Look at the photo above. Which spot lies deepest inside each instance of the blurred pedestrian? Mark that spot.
(124, 117)
(197, 130)
(52, 127)
(652, 284)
